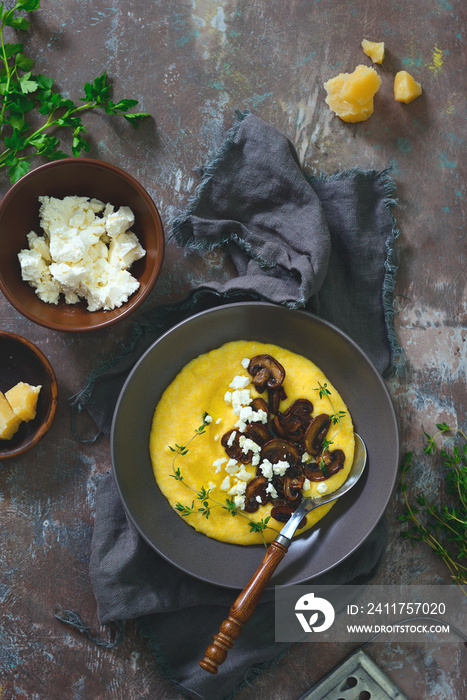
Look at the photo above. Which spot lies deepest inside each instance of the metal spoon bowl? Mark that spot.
(245, 604)
(309, 504)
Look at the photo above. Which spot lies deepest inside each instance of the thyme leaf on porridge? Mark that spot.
(441, 527)
(335, 417)
(206, 500)
(260, 525)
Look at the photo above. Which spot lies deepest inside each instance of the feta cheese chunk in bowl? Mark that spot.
(82, 244)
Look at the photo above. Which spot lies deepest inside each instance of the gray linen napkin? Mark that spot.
(321, 243)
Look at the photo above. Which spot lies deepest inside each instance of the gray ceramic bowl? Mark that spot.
(348, 523)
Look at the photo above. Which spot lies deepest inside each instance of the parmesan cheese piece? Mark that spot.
(350, 95)
(23, 400)
(9, 421)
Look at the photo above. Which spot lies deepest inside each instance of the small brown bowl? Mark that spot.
(22, 361)
(19, 214)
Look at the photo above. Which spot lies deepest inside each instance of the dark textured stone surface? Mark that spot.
(191, 63)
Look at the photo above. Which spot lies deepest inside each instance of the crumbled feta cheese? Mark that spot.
(81, 254)
(239, 502)
(231, 439)
(124, 250)
(119, 221)
(322, 487)
(271, 490)
(306, 485)
(256, 460)
(211, 486)
(239, 382)
(245, 363)
(259, 499)
(246, 414)
(266, 469)
(240, 398)
(306, 458)
(240, 425)
(207, 418)
(33, 266)
(238, 488)
(39, 244)
(228, 397)
(219, 420)
(96, 205)
(217, 464)
(49, 290)
(216, 437)
(243, 475)
(225, 486)
(232, 468)
(248, 444)
(280, 468)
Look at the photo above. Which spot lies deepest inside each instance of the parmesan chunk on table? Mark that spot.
(350, 95)
(406, 88)
(374, 50)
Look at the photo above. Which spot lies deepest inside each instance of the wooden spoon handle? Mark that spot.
(242, 609)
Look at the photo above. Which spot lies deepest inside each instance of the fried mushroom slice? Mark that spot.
(260, 404)
(258, 433)
(256, 494)
(288, 426)
(295, 420)
(275, 396)
(303, 408)
(282, 512)
(332, 462)
(266, 372)
(277, 450)
(233, 449)
(292, 486)
(315, 434)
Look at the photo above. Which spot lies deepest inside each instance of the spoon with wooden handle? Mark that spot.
(244, 606)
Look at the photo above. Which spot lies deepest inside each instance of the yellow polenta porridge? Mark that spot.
(242, 434)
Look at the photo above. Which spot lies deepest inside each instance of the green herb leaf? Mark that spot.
(21, 92)
(260, 525)
(441, 526)
(23, 62)
(26, 84)
(135, 118)
(10, 50)
(185, 510)
(18, 169)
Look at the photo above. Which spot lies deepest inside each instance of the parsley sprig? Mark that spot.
(24, 95)
(206, 501)
(441, 527)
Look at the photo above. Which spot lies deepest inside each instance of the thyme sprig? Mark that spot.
(336, 419)
(441, 527)
(203, 495)
(24, 94)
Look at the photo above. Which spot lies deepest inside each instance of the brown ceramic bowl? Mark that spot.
(22, 361)
(19, 214)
